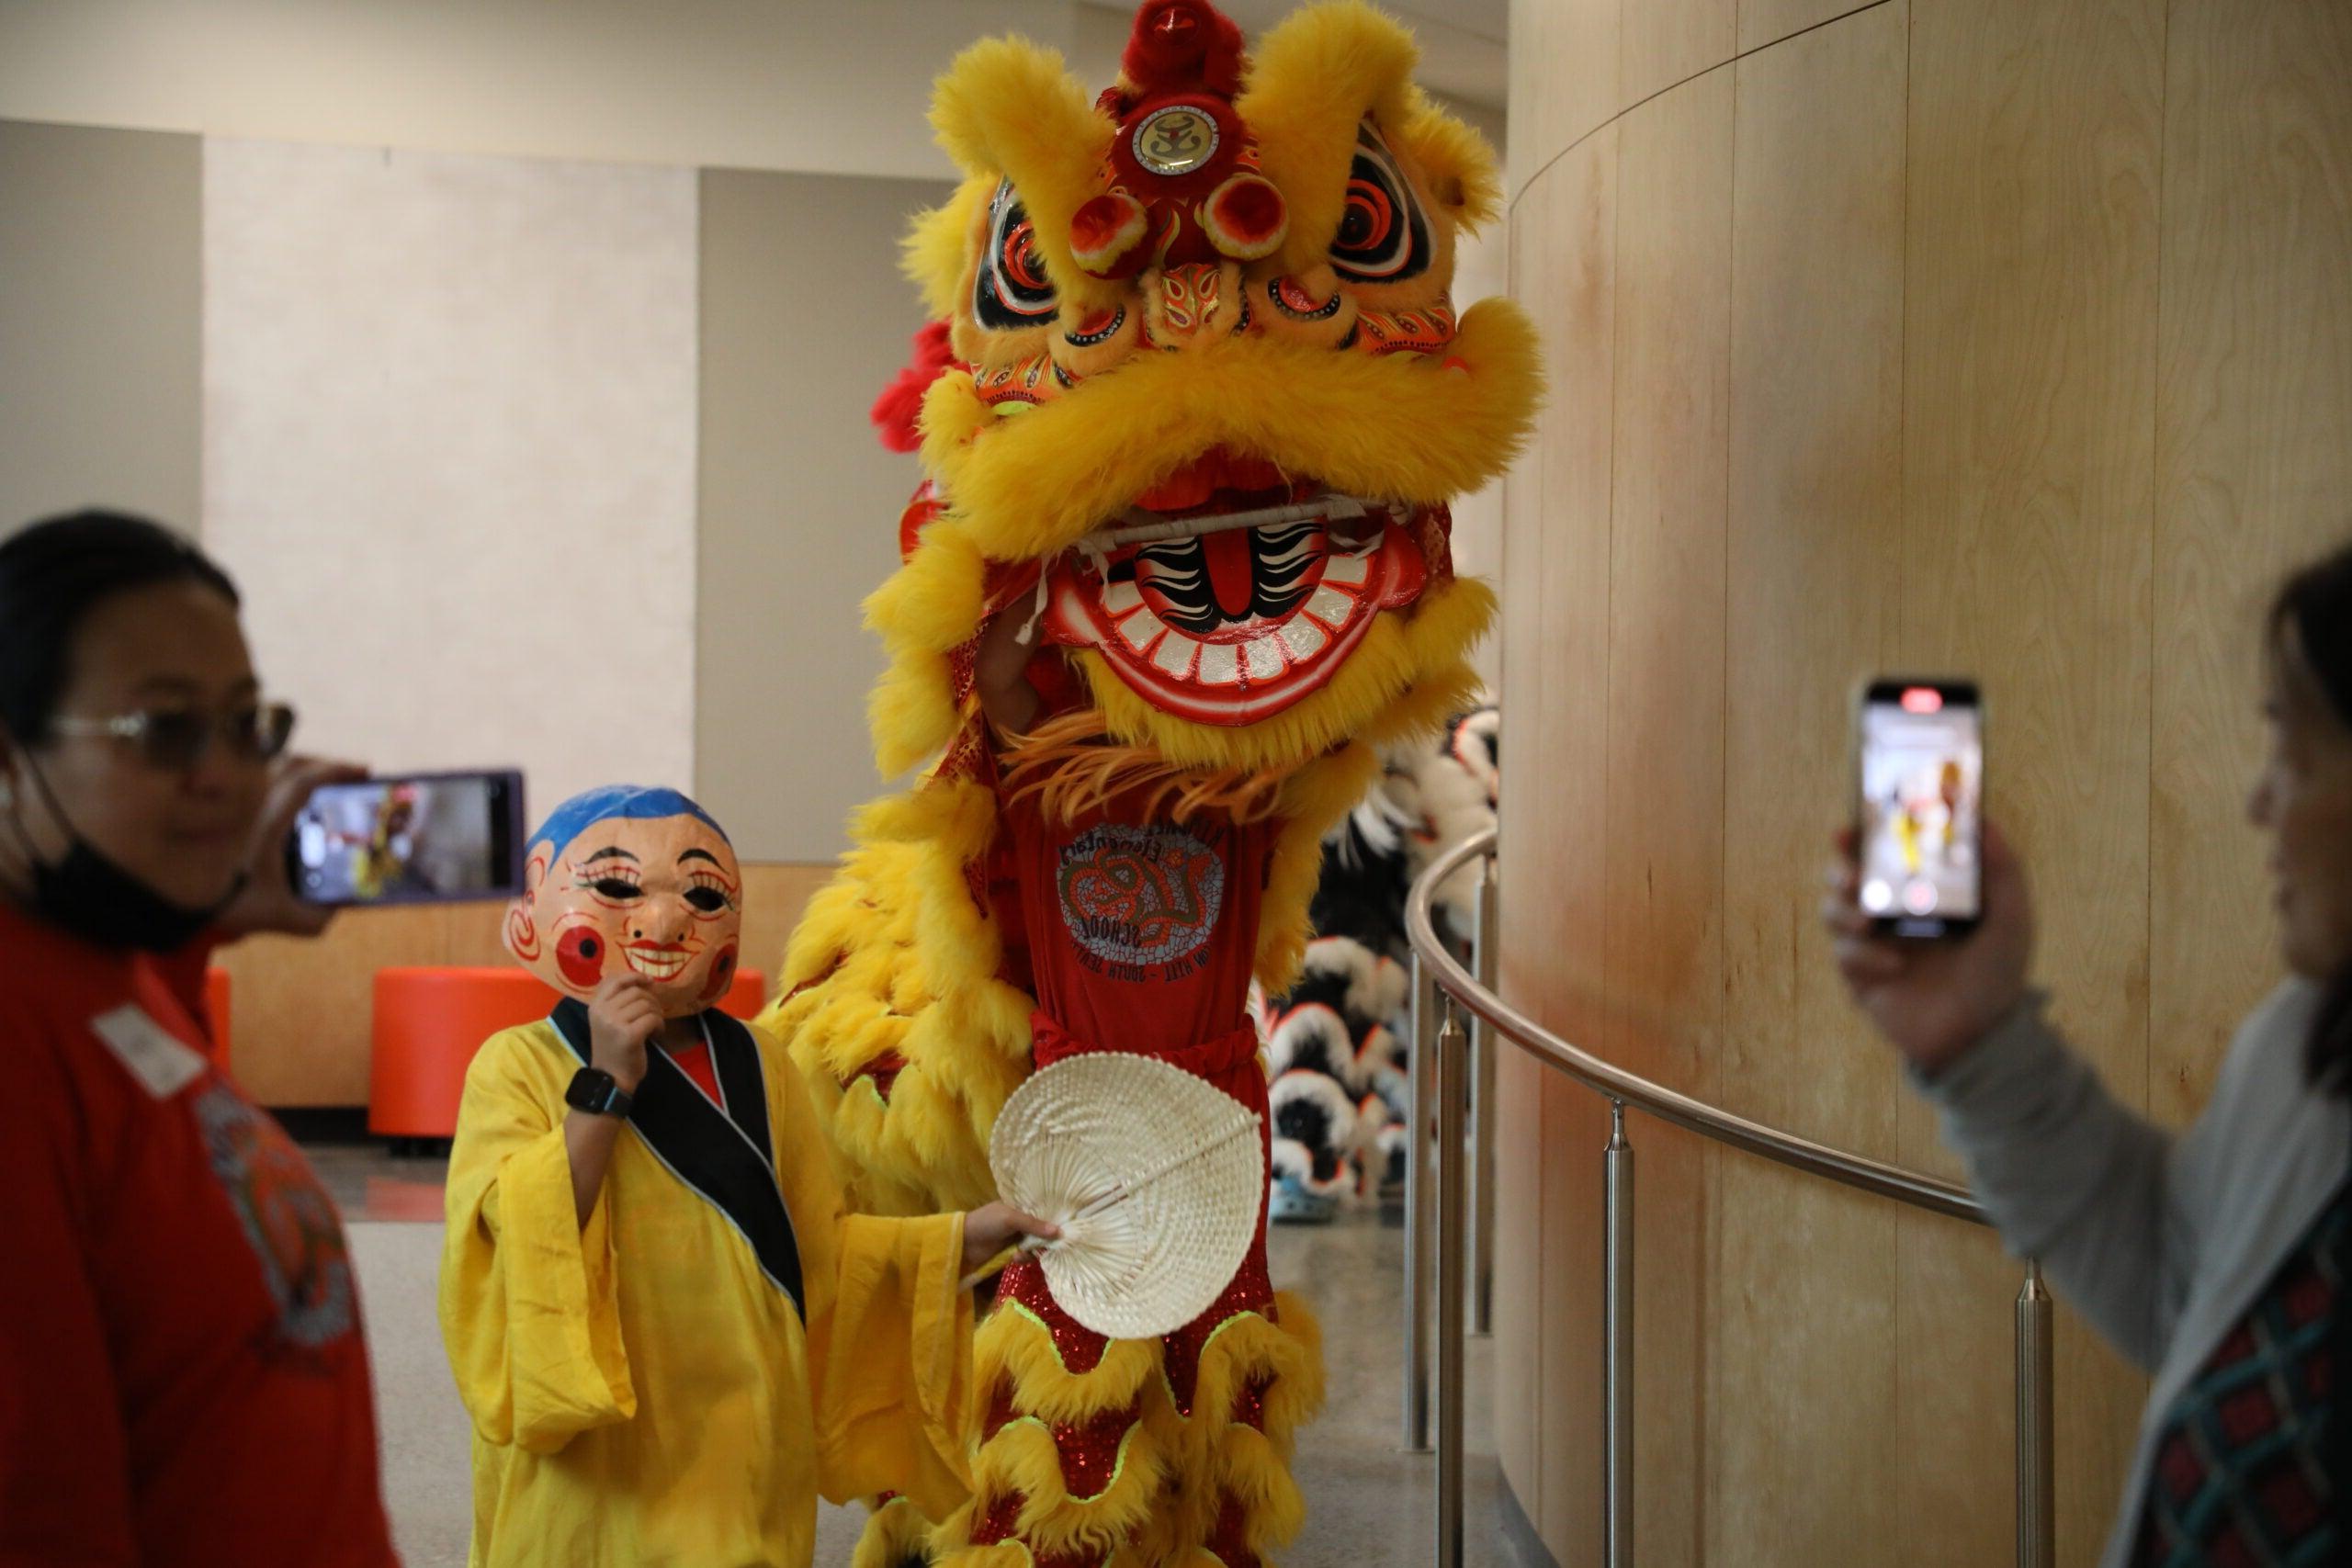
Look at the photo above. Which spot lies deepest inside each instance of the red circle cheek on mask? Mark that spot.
(722, 976)
(581, 956)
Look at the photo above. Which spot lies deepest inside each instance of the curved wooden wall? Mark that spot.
(2006, 337)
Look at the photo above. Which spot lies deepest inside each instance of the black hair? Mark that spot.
(2314, 609)
(52, 573)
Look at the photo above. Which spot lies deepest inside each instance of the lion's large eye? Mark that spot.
(1011, 289)
(1383, 236)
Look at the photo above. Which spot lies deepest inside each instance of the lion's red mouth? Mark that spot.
(1224, 621)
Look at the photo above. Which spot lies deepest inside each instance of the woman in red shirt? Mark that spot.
(183, 1375)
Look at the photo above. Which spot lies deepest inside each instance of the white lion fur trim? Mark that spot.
(1456, 804)
(1300, 1086)
(1305, 1032)
(1377, 984)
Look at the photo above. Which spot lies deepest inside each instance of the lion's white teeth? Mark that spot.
(1302, 637)
(1330, 606)
(1174, 654)
(1139, 629)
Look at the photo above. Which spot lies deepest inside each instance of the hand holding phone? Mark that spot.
(271, 901)
(1919, 821)
(1934, 999)
(415, 839)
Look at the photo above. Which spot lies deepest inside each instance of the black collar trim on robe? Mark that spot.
(725, 1157)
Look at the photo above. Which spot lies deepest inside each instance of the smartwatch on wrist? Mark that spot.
(594, 1090)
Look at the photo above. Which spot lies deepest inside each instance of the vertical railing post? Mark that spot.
(2037, 1483)
(1484, 1048)
(1453, 1095)
(1617, 1332)
(1421, 1056)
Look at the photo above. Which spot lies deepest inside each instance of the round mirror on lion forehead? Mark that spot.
(627, 879)
(1176, 139)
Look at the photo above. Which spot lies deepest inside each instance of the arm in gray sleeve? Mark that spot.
(2071, 1178)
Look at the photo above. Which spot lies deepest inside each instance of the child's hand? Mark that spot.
(989, 1231)
(622, 1017)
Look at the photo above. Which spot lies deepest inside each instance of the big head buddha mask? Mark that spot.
(627, 879)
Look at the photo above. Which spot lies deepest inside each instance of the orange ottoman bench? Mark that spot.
(429, 1022)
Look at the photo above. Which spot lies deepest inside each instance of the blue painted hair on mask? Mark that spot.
(626, 802)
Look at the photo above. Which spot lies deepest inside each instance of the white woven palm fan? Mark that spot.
(1154, 1176)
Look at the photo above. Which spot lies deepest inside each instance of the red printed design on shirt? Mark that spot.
(289, 1219)
(1140, 901)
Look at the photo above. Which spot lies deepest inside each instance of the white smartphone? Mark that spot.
(1919, 819)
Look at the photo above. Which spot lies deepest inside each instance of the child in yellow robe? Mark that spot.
(670, 1335)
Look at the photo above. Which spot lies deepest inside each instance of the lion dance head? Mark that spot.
(1209, 396)
(1192, 409)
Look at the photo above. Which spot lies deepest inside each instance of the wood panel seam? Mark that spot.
(2155, 547)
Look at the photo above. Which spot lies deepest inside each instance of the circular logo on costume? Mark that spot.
(286, 1218)
(1175, 141)
(1139, 895)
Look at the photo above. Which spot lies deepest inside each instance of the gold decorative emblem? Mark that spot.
(1176, 139)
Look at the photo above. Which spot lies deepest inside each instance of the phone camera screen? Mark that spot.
(1923, 772)
(397, 838)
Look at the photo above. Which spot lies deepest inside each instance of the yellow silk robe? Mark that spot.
(642, 1393)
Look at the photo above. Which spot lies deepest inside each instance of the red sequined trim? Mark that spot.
(1250, 1404)
(1251, 1292)
(1079, 1346)
(998, 1521)
(1089, 1449)
(1002, 1522)
(1230, 1538)
(963, 666)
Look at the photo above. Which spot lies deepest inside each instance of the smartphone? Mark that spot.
(1920, 819)
(416, 839)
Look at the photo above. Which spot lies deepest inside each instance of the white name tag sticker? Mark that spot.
(154, 1055)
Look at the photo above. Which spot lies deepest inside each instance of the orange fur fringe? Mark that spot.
(1072, 765)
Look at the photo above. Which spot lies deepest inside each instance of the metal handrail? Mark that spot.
(1443, 1052)
(1898, 1182)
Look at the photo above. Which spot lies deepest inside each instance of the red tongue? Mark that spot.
(1214, 470)
(1227, 555)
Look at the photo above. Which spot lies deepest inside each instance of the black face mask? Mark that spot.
(88, 896)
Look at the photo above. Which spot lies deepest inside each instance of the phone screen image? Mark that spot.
(421, 839)
(1922, 791)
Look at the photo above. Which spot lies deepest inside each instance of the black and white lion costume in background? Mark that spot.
(1336, 1043)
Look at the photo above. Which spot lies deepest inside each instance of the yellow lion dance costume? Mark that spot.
(1205, 402)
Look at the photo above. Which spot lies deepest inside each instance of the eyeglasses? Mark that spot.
(178, 739)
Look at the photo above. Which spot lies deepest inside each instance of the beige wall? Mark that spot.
(99, 357)
(2013, 339)
(449, 440)
(754, 83)
(804, 319)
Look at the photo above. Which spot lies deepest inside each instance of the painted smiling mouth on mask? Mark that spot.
(1229, 592)
(657, 960)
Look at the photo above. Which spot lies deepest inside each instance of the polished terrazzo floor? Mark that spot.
(1368, 1503)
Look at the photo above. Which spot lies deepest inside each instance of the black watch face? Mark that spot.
(592, 1090)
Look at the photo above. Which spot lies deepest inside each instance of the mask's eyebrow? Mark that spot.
(610, 852)
(700, 854)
